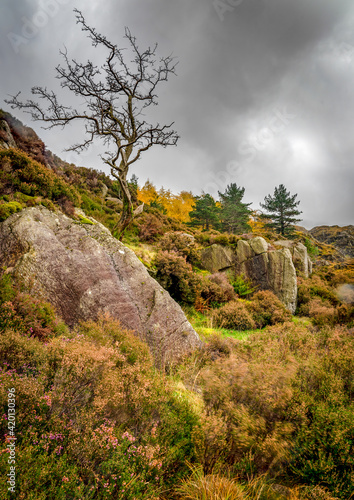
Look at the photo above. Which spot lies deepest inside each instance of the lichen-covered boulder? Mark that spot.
(258, 245)
(273, 271)
(216, 258)
(302, 261)
(82, 270)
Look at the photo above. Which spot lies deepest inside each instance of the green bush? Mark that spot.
(312, 249)
(18, 172)
(242, 286)
(6, 209)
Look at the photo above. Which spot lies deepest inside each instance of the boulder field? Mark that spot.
(82, 271)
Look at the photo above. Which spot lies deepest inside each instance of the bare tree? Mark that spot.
(115, 96)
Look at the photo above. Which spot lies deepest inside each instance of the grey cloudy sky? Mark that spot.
(264, 93)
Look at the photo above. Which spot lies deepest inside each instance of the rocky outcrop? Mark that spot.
(270, 270)
(342, 238)
(6, 139)
(302, 261)
(267, 267)
(82, 270)
(217, 258)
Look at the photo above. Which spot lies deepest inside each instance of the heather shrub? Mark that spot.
(151, 228)
(22, 354)
(95, 419)
(176, 276)
(25, 314)
(182, 244)
(321, 312)
(18, 172)
(215, 289)
(267, 309)
(222, 281)
(250, 398)
(314, 287)
(286, 399)
(234, 316)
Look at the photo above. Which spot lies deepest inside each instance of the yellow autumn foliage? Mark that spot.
(177, 206)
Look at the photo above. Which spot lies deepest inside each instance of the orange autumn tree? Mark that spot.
(176, 206)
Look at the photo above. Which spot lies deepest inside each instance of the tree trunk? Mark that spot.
(127, 213)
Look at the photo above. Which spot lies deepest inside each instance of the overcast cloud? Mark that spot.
(264, 93)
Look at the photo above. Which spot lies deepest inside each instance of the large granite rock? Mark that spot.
(217, 258)
(302, 261)
(82, 270)
(270, 270)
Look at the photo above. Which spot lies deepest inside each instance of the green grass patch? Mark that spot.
(203, 325)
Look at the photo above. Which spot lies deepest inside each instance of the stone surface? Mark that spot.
(302, 261)
(243, 251)
(82, 270)
(258, 245)
(273, 271)
(216, 258)
(6, 138)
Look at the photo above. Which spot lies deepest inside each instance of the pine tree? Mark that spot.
(205, 212)
(281, 210)
(234, 213)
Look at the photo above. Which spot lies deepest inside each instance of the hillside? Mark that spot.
(342, 238)
(176, 364)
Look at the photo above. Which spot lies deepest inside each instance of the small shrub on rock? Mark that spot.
(234, 316)
(6, 209)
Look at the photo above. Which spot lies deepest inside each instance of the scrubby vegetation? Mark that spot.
(270, 416)
(263, 411)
